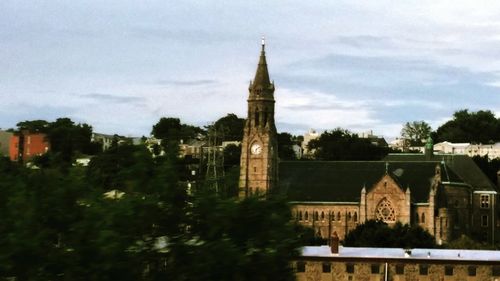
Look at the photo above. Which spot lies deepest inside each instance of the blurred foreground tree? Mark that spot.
(130, 218)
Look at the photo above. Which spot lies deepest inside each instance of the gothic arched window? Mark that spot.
(322, 215)
(316, 216)
(306, 216)
(300, 215)
(416, 218)
(338, 216)
(355, 217)
(423, 217)
(385, 212)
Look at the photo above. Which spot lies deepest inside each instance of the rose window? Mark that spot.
(385, 211)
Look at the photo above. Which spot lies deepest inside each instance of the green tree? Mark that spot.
(490, 167)
(232, 155)
(340, 144)
(34, 126)
(475, 127)
(416, 132)
(250, 234)
(465, 242)
(231, 127)
(119, 166)
(171, 129)
(378, 234)
(37, 220)
(285, 146)
(67, 139)
(63, 226)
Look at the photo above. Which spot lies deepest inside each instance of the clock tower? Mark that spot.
(259, 148)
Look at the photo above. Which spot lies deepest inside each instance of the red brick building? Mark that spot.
(26, 145)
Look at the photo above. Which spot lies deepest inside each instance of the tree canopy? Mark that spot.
(129, 216)
(340, 144)
(475, 127)
(490, 167)
(67, 139)
(416, 132)
(285, 146)
(171, 129)
(374, 233)
(231, 127)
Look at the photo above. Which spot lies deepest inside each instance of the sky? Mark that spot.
(360, 65)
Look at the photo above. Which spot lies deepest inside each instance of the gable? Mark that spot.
(386, 185)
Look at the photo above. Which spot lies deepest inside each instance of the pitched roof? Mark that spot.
(262, 74)
(342, 181)
(461, 165)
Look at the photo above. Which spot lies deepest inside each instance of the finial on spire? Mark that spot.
(386, 167)
(263, 42)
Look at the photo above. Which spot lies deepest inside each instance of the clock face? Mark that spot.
(256, 149)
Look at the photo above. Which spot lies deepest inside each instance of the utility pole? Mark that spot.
(215, 159)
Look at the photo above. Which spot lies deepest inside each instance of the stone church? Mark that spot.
(448, 195)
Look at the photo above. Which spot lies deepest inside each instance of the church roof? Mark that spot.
(461, 165)
(262, 74)
(342, 181)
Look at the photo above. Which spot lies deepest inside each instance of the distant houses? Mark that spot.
(492, 151)
(25, 145)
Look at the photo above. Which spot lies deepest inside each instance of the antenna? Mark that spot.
(215, 159)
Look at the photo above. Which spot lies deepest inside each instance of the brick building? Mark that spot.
(447, 195)
(26, 145)
(392, 264)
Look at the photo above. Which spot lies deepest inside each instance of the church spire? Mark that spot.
(262, 75)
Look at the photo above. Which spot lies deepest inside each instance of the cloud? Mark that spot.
(17, 112)
(363, 41)
(187, 83)
(320, 110)
(112, 98)
(350, 64)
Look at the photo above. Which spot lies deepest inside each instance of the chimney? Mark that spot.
(334, 244)
(407, 253)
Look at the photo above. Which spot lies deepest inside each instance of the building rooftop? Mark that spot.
(399, 253)
(461, 165)
(342, 181)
